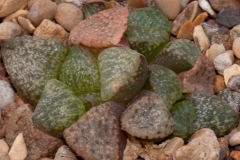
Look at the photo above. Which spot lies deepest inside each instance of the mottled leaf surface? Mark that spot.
(57, 109)
(80, 71)
(92, 8)
(31, 62)
(165, 83)
(178, 55)
(123, 73)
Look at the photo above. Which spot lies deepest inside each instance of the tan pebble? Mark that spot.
(22, 13)
(51, 30)
(19, 100)
(4, 157)
(9, 6)
(234, 139)
(18, 150)
(26, 24)
(136, 3)
(170, 8)
(235, 155)
(224, 145)
(64, 153)
(14, 20)
(236, 47)
(30, 3)
(231, 71)
(200, 38)
(215, 50)
(186, 31)
(4, 148)
(9, 30)
(40, 10)
(183, 3)
(204, 4)
(223, 61)
(200, 19)
(68, 15)
(219, 84)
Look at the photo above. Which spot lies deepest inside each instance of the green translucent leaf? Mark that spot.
(31, 62)
(57, 109)
(123, 73)
(92, 8)
(80, 71)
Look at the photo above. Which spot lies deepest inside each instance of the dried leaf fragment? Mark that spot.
(200, 78)
(104, 29)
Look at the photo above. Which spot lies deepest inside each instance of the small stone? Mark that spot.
(26, 24)
(209, 29)
(235, 155)
(170, 8)
(224, 145)
(200, 38)
(202, 145)
(18, 99)
(9, 30)
(232, 97)
(219, 84)
(40, 10)
(183, 3)
(50, 29)
(204, 4)
(234, 83)
(234, 139)
(68, 15)
(30, 3)
(4, 156)
(231, 71)
(236, 47)
(200, 19)
(235, 32)
(4, 148)
(222, 36)
(18, 150)
(229, 17)
(135, 3)
(169, 150)
(223, 61)
(22, 13)
(9, 6)
(186, 31)
(219, 5)
(215, 50)
(6, 94)
(64, 153)
(188, 14)
(8, 111)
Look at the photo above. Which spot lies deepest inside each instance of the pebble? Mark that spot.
(223, 61)
(9, 30)
(232, 97)
(200, 38)
(234, 83)
(64, 153)
(4, 148)
(183, 3)
(68, 15)
(18, 150)
(235, 155)
(222, 36)
(2, 70)
(202, 145)
(219, 84)
(6, 94)
(30, 3)
(224, 146)
(215, 50)
(188, 14)
(231, 71)
(235, 32)
(22, 13)
(40, 10)
(236, 47)
(219, 5)
(132, 3)
(170, 8)
(10, 6)
(26, 24)
(4, 156)
(210, 29)
(50, 29)
(228, 17)
(204, 4)
(234, 139)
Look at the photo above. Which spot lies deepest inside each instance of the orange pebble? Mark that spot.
(186, 31)
(199, 19)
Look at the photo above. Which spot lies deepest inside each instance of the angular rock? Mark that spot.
(6, 94)
(188, 14)
(204, 4)
(40, 10)
(232, 97)
(223, 61)
(147, 117)
(22, 13)
(219, 84)
(222, 36)
(234, 83)
(235, 155)
(49, 29)
(9, 6)
(186, 31)
(18, 149)
(228, 17)
(200, 38)
(231, 71)
(64, 153)
(97, 134)
(219, 5)
(215, 50)
(202, 145)
(38, 143)
(224, 148)
(4, 148)
(170, 8)
(68, 15)
(26, 24)
(8, 111)
(9, 30)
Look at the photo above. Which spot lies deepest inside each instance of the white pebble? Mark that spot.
(215, 50)
(231, 71)
(200, 38)
(207, 7)
(234, 139)
(6, 94)
(18, 150)
(223, 61)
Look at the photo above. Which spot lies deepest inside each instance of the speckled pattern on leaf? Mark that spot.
(147, 117)
(57, 109)
(123, 73)
(178, 55)
(31, 62)
(165, 83)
